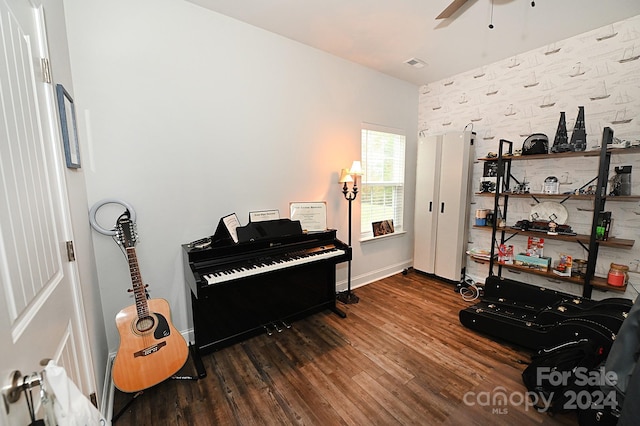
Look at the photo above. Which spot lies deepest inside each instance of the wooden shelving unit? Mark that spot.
(621, 243)
(620, 198)
(592, 153)
(597, 282)
(598, 198)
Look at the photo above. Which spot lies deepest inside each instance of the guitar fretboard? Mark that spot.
(138, 288)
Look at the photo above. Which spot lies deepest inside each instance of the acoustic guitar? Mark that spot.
(151, 349)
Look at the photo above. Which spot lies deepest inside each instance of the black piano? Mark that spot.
(275, 274)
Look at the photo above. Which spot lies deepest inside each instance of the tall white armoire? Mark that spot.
(443, 185)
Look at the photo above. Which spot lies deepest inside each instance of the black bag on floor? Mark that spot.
(557, 374)
(622, 362)
(597, 417)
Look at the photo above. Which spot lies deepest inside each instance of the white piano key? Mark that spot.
(271, 265)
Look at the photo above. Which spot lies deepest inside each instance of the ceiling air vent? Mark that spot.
(415, 62)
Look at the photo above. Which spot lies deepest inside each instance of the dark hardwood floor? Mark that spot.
(400, 357)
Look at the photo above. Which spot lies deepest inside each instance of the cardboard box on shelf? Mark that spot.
(604, 225)
(535, 246)
(538, 263)
(505, 254)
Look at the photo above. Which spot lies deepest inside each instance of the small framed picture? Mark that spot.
(67, 112)
(383, 227)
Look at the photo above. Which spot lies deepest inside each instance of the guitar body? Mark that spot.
(151, 349)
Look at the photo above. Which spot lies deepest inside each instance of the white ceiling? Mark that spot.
(383, 34)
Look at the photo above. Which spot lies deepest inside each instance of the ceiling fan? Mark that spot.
(451, 9)
(457, 4)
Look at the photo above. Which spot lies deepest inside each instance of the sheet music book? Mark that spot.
(227, 229)
(262, 215)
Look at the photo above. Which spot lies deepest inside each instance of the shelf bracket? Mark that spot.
(587, 184)
(583, 246)
(510, 237)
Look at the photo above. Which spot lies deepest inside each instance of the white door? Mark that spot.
(41, 312)
(454, 205)
(427, 203)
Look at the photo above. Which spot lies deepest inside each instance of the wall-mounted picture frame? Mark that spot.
(312, 215)
(67, 112)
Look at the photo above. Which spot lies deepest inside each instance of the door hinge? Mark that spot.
(46, 70)
(71, 255)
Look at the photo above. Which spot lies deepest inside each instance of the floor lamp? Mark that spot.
(349, 176)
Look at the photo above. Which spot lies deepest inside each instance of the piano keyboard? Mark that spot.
(268, 264)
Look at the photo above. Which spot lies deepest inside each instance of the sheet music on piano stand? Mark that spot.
(226, 232)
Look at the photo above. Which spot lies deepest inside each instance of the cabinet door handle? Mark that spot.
(442, 208)
(430, 206)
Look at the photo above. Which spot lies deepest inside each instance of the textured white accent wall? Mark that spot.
(525, 94)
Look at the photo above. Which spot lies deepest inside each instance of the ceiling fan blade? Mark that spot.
(451, 9)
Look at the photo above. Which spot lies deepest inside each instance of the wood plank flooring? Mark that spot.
(401, 357)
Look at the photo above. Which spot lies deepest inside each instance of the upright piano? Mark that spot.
(273, 275)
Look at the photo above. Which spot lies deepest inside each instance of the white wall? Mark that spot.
(569, 73)
(189, 115)
(76, 188)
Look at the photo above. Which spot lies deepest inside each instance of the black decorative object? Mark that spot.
(537, 143)
(561, 140)
(621, 182)
(579, 134)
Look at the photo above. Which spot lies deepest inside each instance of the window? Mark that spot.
(383, 179)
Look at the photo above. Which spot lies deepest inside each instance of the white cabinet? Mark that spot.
(443, 186)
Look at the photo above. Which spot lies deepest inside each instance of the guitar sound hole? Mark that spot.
(144, 324)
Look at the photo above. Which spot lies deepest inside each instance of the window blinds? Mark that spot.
(383, 157)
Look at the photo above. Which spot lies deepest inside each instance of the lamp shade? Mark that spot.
(356, 168)
(345, 176)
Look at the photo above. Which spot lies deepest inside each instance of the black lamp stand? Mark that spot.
(348, 297)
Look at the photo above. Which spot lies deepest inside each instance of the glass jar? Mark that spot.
(579, 268)
(618, 275)
(481, 217)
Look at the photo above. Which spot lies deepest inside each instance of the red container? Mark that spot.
(618, 275)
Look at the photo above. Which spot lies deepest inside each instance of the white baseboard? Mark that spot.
(375, 275)
(108, 390)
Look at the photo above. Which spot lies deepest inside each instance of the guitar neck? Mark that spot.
(142, 306)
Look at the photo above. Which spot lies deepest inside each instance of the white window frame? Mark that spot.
(384, 170)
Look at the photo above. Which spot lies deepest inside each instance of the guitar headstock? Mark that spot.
(126, 234)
